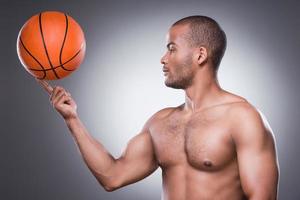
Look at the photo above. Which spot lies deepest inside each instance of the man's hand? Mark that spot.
(61, 100)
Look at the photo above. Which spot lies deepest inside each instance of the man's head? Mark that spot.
(192, 42)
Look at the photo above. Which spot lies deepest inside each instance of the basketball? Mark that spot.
(51, 45)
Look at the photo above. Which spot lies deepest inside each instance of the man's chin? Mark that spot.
(173, 85)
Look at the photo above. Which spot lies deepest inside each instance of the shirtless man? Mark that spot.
(216, 145)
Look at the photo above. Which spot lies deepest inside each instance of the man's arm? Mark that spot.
(137, 161)
(256, 152)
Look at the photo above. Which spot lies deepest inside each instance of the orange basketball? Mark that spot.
(51, 45)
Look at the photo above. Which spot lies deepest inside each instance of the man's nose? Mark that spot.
(163, 60)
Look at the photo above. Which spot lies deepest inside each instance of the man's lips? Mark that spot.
(166, 71)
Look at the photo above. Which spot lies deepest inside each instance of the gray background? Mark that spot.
(120, 85)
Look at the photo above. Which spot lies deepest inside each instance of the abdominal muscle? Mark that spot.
(183, 182)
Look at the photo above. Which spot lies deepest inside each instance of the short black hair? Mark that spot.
(205, 31)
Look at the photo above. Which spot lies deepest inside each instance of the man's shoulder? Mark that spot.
(160, 115)
(243, 110)
(248, 121)
(163, 113)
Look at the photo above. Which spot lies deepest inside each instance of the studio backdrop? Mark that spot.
(120, 84)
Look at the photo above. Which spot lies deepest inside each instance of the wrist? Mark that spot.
(75, 126)
(71, 119)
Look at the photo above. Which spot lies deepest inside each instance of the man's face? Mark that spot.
(178, 59)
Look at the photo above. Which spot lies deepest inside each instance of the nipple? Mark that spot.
(207, 163)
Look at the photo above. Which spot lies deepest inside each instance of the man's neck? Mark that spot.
(204, 92)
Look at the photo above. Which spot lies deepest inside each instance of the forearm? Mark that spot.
(99, 161)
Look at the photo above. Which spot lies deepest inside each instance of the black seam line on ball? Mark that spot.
(62, 46)
(43, 69)
(41, 30)
(59, 65)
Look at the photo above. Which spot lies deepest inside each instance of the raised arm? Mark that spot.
(136, 162)
(256, 151)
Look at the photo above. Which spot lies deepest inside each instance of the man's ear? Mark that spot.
(201, 55)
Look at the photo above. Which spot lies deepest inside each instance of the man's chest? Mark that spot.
(202, 141)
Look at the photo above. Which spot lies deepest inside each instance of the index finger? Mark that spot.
(45, 85)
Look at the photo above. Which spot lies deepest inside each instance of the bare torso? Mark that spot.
(197, 154)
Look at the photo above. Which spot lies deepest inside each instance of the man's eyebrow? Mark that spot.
(170, 43)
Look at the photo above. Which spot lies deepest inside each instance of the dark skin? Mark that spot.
(216, 145)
